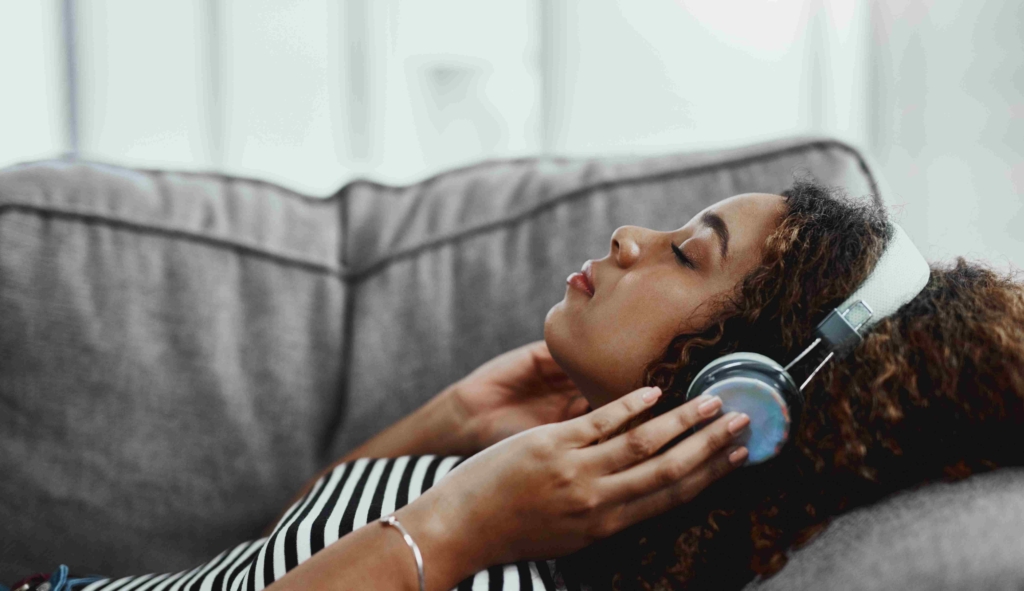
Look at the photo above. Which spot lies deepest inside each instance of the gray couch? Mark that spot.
(179, 352)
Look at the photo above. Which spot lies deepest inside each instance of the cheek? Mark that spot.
(655, 315)
(633, 335)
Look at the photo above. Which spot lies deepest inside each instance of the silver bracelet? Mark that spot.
(390, 520)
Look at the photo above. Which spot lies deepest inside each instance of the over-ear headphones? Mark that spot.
(763, 389)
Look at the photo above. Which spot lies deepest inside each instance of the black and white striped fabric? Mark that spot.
(348, 497)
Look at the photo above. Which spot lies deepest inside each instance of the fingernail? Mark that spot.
(651, 394)
(709, 406)
(738, 456)
(738, 423)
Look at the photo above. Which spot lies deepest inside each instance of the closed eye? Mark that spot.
(682, 256)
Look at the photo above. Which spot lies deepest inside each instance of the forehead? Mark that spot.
(750, 218)
(747, 211)
(762, 206)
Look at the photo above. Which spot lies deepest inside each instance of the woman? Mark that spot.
(756, 275)
(935, 392)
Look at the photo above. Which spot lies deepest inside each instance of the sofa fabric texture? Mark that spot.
(958, 536)
(179, 352)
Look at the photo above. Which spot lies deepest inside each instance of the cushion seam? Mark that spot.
(144, 229)
(226, 178)
(359, 275)
(341, 403)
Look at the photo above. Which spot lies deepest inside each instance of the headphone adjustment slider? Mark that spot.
(838, 332)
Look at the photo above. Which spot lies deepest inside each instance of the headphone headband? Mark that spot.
(898, 276)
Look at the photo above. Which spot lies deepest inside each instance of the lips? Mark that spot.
(583, 281)
(588, 273)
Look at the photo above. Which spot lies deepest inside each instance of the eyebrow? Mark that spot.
(716, 223)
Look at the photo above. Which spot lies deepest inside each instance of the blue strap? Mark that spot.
(59, 580)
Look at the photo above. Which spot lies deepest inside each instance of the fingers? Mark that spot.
(640, 443)
(677, 464)
(586, 429)
(681, 491)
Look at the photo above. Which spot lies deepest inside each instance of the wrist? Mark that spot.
(390, 521)
(451, 549)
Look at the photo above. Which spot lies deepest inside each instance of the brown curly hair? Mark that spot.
(934, 392)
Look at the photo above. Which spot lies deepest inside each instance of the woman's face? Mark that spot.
(644, 295)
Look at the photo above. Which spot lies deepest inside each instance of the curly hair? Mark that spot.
(934, 392)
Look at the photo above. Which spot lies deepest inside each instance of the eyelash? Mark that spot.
(682, 257)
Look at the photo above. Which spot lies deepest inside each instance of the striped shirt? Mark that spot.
(342, 500)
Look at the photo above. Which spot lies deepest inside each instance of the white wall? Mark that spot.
(311, 93)
(651, 76)
(32, 113)
(948, 123)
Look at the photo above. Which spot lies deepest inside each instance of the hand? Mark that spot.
(548, 491)
(516, 391)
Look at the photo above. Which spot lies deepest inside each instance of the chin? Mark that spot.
(553, 325)
(573, 357)
(559, 341)
(552, 336)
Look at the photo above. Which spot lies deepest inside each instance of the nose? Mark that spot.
(626, 245)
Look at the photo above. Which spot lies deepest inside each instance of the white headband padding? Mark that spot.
(899, 275)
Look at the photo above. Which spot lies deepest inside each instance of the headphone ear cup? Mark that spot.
(758, 386)
(769, 415)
